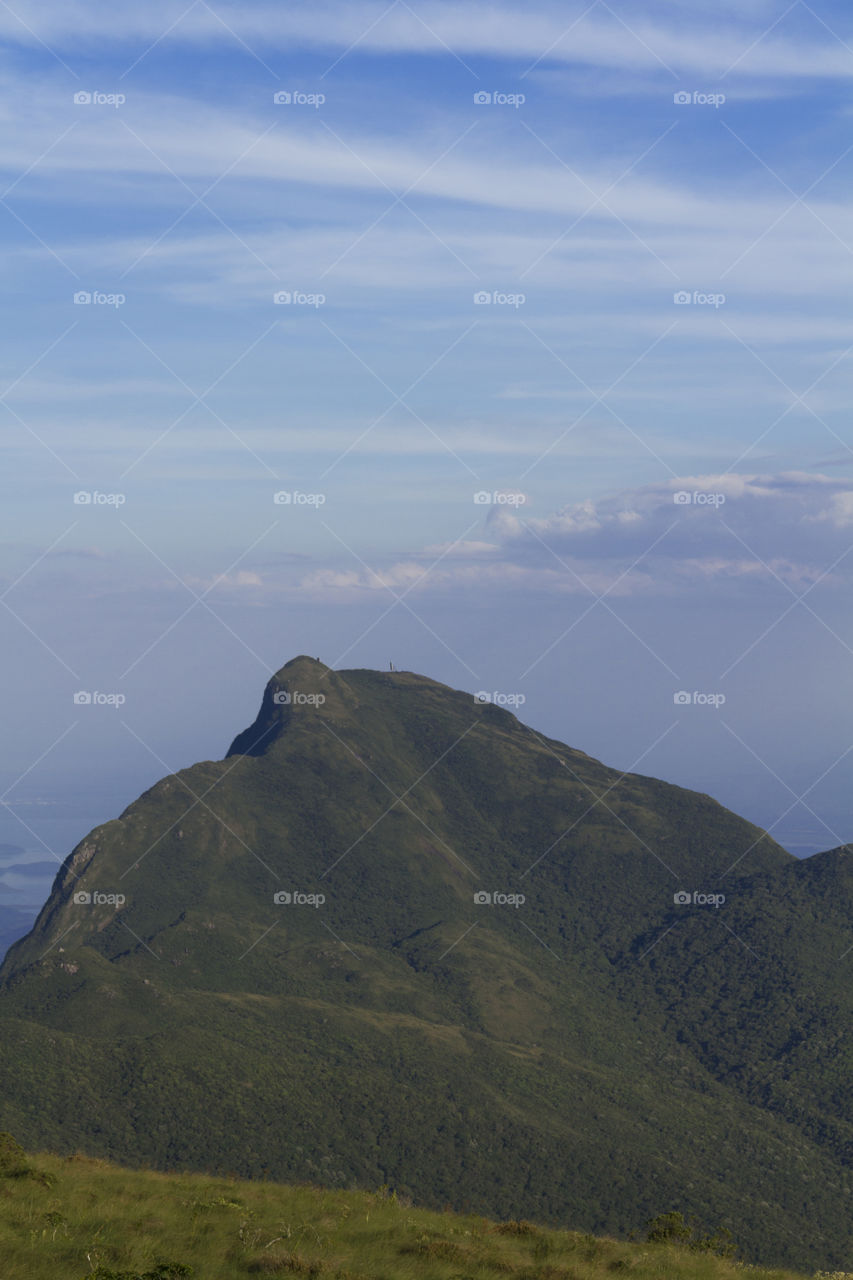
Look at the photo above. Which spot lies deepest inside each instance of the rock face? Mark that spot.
(396, 936)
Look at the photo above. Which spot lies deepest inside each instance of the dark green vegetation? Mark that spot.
(591, 1058)
(79, 1218)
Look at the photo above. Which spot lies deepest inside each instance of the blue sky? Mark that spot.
(621, 279)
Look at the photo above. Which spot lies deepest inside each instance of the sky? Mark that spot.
(510, 344)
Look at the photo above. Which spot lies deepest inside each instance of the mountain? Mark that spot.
(281, 963)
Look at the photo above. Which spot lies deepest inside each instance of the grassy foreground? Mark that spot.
(75, 1217)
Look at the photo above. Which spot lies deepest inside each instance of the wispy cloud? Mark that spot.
(688, 39)
(693, 533)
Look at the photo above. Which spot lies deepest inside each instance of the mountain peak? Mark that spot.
(305, 686)
(300, 665)
(300, 688)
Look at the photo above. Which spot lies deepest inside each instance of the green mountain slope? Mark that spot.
(591, 1056)
(82, 1219)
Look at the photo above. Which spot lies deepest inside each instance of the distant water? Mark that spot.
(805, 838)
(34, 842)
(26, 876)
(14, 923)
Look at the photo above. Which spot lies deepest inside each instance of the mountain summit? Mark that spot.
(301, 686)
(397, 936)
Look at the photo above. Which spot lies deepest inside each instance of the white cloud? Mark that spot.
(241, 580)
(788, 529)
(839, 513)
(503, 170)
(498, 208)
(418, 578)
(729, 518)
(458, 550)
(689, 43)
